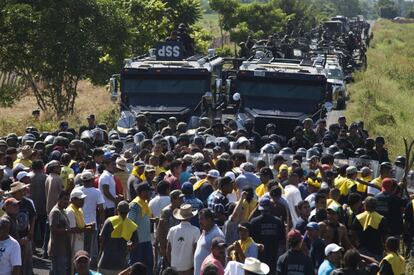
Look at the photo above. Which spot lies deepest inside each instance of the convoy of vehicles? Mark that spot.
(264, 88)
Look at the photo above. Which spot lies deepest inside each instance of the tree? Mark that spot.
(387, 9)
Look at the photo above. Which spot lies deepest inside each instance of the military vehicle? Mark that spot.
(165, 84)
(280, 91)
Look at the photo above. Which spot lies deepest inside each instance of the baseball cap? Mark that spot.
(264, 203)
(81, 254)
(351, 170)
(334, 207)
(333, 247)
(230, 175)
(213, 173)
(247, 167)
(294, 234)
(87, 175)
(149, 168)
(218, 242)
(21, 175)
(187, 187)
(312, 225)
(77, 193)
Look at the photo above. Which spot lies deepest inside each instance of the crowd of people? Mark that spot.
(163, 201)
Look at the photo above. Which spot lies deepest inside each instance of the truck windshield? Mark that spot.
(165, 86)
(335, 74)
(169, 91)
(290, 95)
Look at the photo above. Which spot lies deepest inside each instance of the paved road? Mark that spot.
(333, 116)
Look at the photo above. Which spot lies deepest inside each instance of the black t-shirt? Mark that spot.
(26, 214)
(316, 250)
(390, 207)
(204, 192)
(269, 231)
(294, 262)
(371, 239)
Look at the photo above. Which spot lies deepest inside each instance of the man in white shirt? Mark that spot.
(10, 257)
(161, 200)
(94, 200)
(107, 186)
(292, 195)
(182, 241)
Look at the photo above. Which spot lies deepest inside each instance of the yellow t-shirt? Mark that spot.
(262, 189)
(362, 188)
(339, 182)
(25, 162)
(248, 208)
(66, 174)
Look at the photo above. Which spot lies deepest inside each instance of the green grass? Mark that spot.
(383, 95)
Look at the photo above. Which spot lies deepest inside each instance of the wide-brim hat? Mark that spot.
(185, 212)
(254, 265)
(16, 187)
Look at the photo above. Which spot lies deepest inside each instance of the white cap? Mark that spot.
(213, 173)
(21, 175)
(77, 193)
(333, 247)
(87, 175)
(230, 175)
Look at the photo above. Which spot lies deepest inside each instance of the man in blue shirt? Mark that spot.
(189, 198)
(140, 213)
(333, 253)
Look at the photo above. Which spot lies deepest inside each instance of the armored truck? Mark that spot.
(280, 91)
(165, 84)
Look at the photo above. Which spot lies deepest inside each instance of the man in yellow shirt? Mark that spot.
(266, 175)
(25, 157)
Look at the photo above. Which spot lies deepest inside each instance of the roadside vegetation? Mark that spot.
(383, 95)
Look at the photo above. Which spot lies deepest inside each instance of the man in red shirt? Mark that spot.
(173, 178)
(217, 256)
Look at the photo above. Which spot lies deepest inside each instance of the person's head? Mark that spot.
(244, 230)
(298, 132)
(18, 190)
(169, 271)
(354, 201)
(65, 159)
(266, 175)
(334, 194)
(138, 268)
(11, 206)
(109, 165)
(206, 219)
(370, 204)
(210, 269)
(144, 191)
(122, 209)
(218, 248)
(379, 143)
(352, 258)
(176, 167)
(392, 244)
(4, 229)
(351, 172)
(163, 188)
(293, 179)
(176, 198)
(294, 239)
(226, 185)
(77, 198)
(275, 191)
(320, 201)
(37, 166)
(98, 155)
(63, 200)
(304, 209)
(333, 213)
(91, 120)
(54, 167)
(386, 170)
(312, 230)
(333, 253)
(81, 261)
(87, 177)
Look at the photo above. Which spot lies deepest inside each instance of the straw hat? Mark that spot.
(185, 212)
(26, 152)
(16, 187)
(121, 164)
(255, 266)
